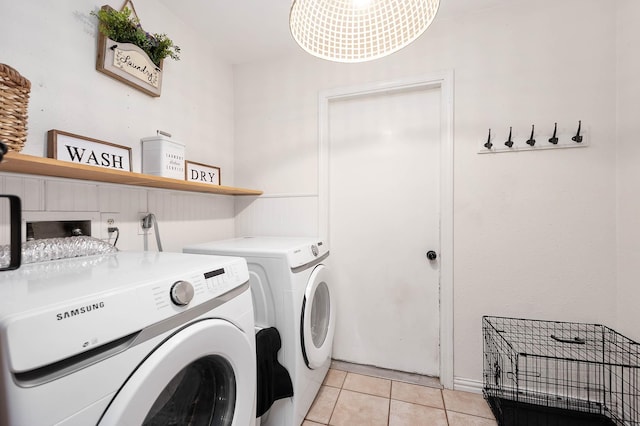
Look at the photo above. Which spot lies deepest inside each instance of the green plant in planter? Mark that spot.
(120, 26)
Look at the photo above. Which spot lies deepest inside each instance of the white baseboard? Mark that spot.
(467, 385)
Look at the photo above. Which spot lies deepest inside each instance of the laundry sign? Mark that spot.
(136, 64)
(129, 64)
(65, 146)
(197, 172)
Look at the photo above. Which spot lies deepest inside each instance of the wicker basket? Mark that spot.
(14, 100)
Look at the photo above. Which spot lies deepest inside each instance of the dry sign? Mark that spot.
(196, 172)
(66, 146)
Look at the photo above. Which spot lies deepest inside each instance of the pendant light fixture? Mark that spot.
(358, 30)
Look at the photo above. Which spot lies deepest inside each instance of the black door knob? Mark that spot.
(431, 255)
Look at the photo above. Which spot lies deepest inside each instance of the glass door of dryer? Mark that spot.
(202, 375)
(318, 319)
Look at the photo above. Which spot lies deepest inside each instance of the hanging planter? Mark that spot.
(128, 53)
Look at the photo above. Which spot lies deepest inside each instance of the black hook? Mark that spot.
(509, 142)
(577, 138)
(531, 141)
(554, 139)
(488, 145)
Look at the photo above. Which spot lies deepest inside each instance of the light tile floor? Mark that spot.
(352, 399)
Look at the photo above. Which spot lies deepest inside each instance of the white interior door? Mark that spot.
(384, 172)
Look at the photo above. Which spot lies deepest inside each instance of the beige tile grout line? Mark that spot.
(389, 402)
(446, 413)
(335, 405)
(389, 405)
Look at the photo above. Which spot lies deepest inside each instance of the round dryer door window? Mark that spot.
(318, 319)
(203, 375)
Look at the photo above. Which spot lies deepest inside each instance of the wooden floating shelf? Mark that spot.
(28, 164)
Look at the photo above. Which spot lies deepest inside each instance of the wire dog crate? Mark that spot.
(546, 373)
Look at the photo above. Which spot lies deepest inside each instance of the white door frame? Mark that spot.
(443, 81)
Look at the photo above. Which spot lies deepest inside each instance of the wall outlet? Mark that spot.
(109, 220)
(141, 230)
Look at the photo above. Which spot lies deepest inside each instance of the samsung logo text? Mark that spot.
(79, 311)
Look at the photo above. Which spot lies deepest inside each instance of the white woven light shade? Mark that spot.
(358, 30)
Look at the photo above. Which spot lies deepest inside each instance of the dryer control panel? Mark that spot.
(307, 253)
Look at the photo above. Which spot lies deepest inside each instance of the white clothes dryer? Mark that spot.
(291, 291)
(127, 339)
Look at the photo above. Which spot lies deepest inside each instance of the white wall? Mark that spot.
(534, 231)
(628, 78)
(53, 44)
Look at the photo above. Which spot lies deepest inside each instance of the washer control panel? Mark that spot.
(122, 293)
(181, 293)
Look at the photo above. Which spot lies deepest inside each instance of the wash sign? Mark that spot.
(78, 149)
(196, 172)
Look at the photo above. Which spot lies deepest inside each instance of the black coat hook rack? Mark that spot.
(561, 137)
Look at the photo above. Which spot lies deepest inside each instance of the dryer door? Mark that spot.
(202, 375)
(318, 319)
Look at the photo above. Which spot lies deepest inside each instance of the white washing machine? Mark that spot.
(292, 293)
(127, 339)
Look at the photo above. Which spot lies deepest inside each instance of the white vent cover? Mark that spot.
(358, 30)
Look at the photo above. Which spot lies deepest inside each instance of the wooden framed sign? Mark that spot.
(65, 146)
(197, 172)
(129, 64)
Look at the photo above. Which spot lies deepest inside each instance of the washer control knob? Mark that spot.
(181, 293)
(314, 249)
